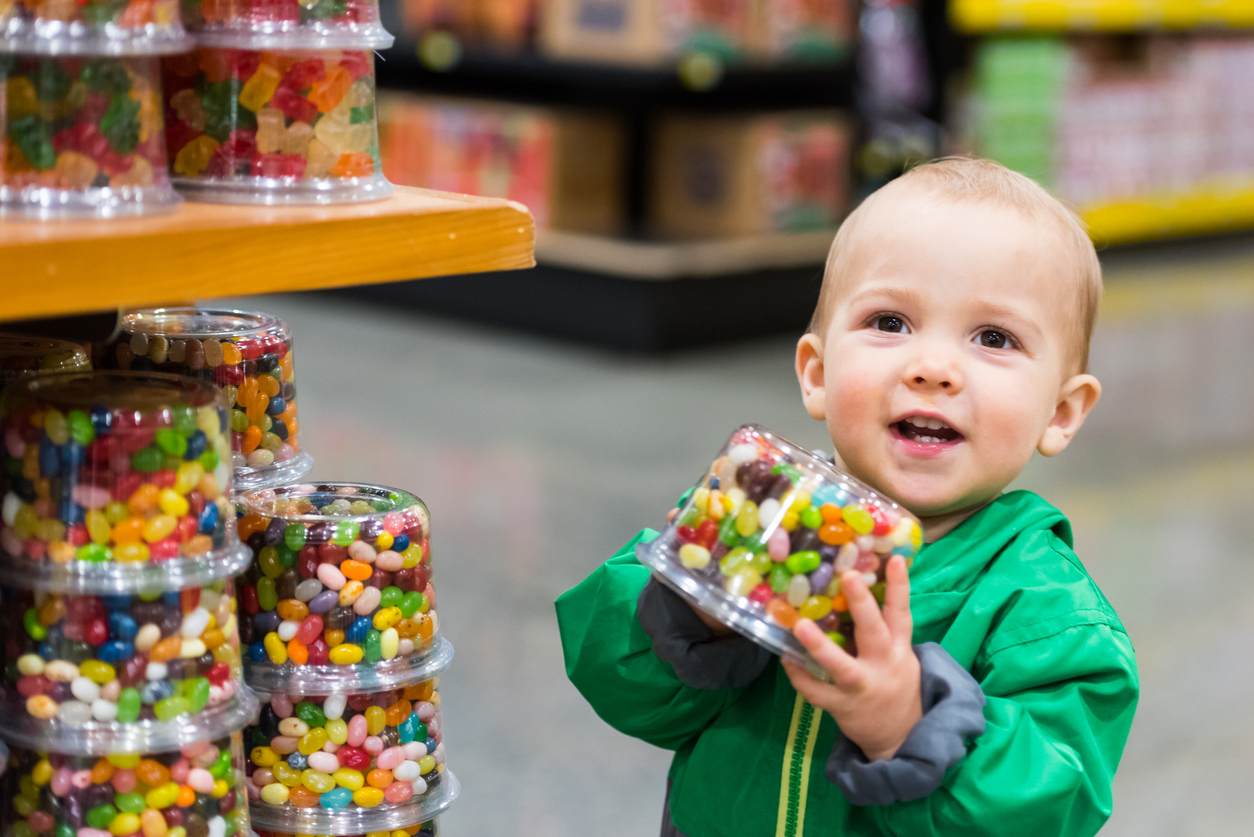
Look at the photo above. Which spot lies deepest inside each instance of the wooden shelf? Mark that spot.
(204, 250)
(976, 16)
(1203, 212)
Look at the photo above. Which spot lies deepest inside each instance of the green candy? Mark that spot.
(357, 116)
(171, 442)
(346, 532)
(258, 738)
(120, 123)
(147, 460)
(81, 430)
(101, 816)
(66, 830)
(131, 803)
(32, 138)
(311, 714)
(688, 517)
(128, 706)
(287, 557)
(779, 578)
(239, 421)
(94, 552)
(411, 603)
(184, 420)
(209, 460)
(877, 590)
(21, 828)
(198, 695)
(171, 707)
(839, 639)
(734, 561)
(392, 596)
(221, 768)
(790, 470)
(803, 562)
(267, 596)
(31, 620)
(755, 542)
(372, 650)
(52, 82)
(760, 562)
(106, 76)
(811, 518)
(294, 536)
(268, 562)
(727, 533)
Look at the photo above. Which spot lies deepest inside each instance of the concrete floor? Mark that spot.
(539, 459)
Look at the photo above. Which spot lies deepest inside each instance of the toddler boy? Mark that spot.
(994, 692)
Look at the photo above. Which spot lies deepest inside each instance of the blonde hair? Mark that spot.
(969, 179)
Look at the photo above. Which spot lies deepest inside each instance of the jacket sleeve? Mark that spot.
(610, 659)
(1059, 709)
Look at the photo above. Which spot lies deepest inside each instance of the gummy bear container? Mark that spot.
(349, 762)
(249, 356)
(85, 137)
(22, 356)
(136, 672)
(763, 537)
(115, 483)
(339, 592)
(196, 791)
(287, 24)
(92, 27)
(275, 127)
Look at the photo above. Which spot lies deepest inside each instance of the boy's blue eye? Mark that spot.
(991, 339)
(890, 323)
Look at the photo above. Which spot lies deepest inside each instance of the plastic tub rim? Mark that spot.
(111, 578)
(357, 679)
(288, 820)
(248, 500)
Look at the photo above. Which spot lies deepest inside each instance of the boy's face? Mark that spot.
(945, 359)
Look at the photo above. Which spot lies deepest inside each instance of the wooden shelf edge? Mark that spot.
(207, 250)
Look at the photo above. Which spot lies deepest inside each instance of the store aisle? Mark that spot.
(539, 459)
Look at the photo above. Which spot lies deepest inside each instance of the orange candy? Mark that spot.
(269, 386)
(840, 603)
(783, 613)
(212, 639)
(302, 797)
(101, 772)
(395, 714)
(252, 438)
(356, 570)
(378, 778)
(152, 773)
(297, 652)
(427, 628)
(831, 513)
(333, 638)
(292, 609)
(144, 498)
(247, 391)
(835, 534)
(231, 354)
(407, 628)
(166, 650)
(186, 797)
(359, 164)
(421, 692)
(250, 524)
(326, 94)
(285, 364)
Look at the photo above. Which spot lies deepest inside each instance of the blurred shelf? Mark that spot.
(665, 261)
(979, 16)
(208, 250)
(538, 80)
(1198, 213)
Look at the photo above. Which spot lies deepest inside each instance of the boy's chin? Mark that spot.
(929, 496)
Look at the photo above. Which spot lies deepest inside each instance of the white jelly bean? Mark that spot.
(798, 590)
(9, 509)
(191, 649)
(287, 630)
(84, 689)
(103, 710)
(420, 786)
(61, 671)
(768, 510)
(334, 706)
(74, 712)
(195, 623)
(407, 771)
(741, 454)
(217, 827)
(30, 664)
(210, 600)
(324, 762)
(156, 671)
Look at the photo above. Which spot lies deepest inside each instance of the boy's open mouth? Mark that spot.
(926, 430)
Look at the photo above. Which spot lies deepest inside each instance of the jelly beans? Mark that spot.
(22, 356)
(274, 127)
(193, 792)
(92, 27)
(338, 752)
(431, 828)
(110, 470)
(120, 658)
(341, 576)
(309, 24)
(249, 357)
(84, 136)
(770, 529)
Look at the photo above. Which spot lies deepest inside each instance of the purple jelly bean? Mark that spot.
(323, 602)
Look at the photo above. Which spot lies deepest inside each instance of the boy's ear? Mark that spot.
(810, 376)
(1075, 400)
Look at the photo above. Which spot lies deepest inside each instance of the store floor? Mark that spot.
(539, 459)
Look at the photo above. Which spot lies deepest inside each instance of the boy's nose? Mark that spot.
(934, 369)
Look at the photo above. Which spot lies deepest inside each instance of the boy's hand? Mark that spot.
(874, 697)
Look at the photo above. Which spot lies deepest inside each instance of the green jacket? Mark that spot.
(1003, 593)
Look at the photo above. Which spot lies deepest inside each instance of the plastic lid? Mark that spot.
(21, 356)
(201, 322)
(385, 817)
(350, 680)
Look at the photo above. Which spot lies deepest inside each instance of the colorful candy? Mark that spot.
(431, 828)
(304, 24)
(193, 792)
(274, 127)
(92, 27)
(83, 135)
(771, 528)
(337, 752)
(120, 658)
(249, 357)
(113, 468)
(21, 356)
(341, 575)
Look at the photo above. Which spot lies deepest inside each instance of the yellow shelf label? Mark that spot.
(1201, 212)
(973, 16)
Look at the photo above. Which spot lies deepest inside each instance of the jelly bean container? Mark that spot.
(115, 483)
(275, 127)
(92, 27)
(357, 762)
(288, 24)
(339, 591)
(85, 137)
(197, 791)
(762, 539)
(22, 356)
(431, 828)
(85, 673)
(249, 357)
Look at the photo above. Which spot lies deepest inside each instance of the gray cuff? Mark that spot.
(953, 712)
(700, 658)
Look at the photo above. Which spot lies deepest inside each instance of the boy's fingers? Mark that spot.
(897, 600)
(868, 624)
(844, 669)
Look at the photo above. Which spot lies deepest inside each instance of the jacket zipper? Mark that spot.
(796, 779)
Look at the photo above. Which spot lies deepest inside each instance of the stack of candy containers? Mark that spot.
(123, 700)
(342, 643)
(22, 356)
(249, 357)
(82, 118)
(277, 103)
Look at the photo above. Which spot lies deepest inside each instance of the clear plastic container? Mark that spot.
(115, 482)
(156, 669)
(249, 356)
(363, 761)
(85, 137)
(197, 791)
(276, 127)
(431, 828)
(93, 27)
(287, 24)
(765, 534)
(22, 356)
(339, 590)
